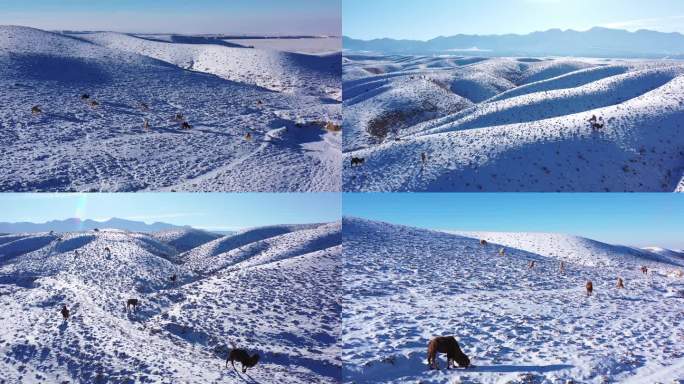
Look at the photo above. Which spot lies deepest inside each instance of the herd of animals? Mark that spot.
(441, 344)
(236, 354)
(596, 124)
(178, 117)
(449, 345)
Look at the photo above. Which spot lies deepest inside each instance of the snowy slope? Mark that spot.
(278, 71)
(403, 286)
(533, 134)
(73, 146)
(285, 308)
(575, 249)
(185, 239)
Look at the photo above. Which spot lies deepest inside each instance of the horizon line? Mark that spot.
(514, 34)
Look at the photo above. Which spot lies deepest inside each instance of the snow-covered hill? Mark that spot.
(286, 308)
(523, 124)
(131, 140)
(403, 286)
(577, 249)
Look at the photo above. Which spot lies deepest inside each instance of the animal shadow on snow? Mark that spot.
(509, 368)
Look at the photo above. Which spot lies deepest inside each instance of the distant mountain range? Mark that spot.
(74, 224)
(596, 42)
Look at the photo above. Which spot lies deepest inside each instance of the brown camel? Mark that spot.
(448, 345)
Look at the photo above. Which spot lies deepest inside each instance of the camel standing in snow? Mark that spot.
(243, 357)
(448, 345)
(65, 312)
(590, 288)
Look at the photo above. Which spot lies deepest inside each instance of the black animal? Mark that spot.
(65, 312)
(174, 278)
(85, 96)
(132, 303)
(357, 161)
(243, 357)
(186, 125)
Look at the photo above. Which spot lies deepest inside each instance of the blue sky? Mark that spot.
(181, 16)
(213, 211)
(426, 19)
(628, 219)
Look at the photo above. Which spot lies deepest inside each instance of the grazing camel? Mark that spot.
(590, 288)
(620, 283)
(186, 125)
(644, 269)
(243, 357)
(65, 312)
(448, 345)
(132, 303)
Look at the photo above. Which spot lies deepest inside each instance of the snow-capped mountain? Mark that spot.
(75, 224)
(595, 42)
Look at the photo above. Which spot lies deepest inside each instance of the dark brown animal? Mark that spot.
(186, 125)
(94, 104)
(483, 242)
(248, 136)
(423, 157)
(85, 96)
(562, 267)
(132, 303)
(590, 288)
(243, 357)
(35, 110)
(644, 269)
(620, 283)
(174, 278)
(357, 161)
(448, 345)
(65, 312)
(531, 264)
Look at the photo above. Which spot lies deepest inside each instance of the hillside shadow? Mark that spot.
(66, 70)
